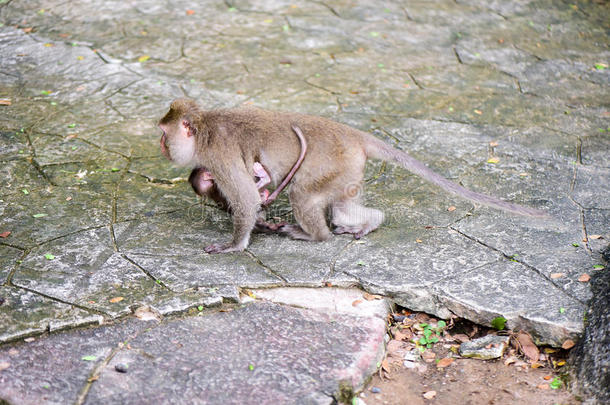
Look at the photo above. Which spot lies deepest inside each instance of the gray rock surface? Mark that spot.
(506, 98)
(590, 359)
(259, 353)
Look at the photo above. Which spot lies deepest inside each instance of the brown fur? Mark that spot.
(228, 142)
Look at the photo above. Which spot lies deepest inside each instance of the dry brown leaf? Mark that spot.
(527, 346)
(510, 360)
(584, 278)
(429, 356)
(385, 366)
(451, 209)
(5, 101)
(94, 378)
(115, 300)
(399, 335)
(568, 344)
(4, 365)
(493, 144)
(371, 297)
(547, 377)
(596, 237)
(5, 234)
(557, 275)
(430, 394)
(460, 337)
(537, 365)
(543, 387)
(445, 362)
(27, 30)
(418, 240)
(395, 348)
(356, 303)
(190, 12)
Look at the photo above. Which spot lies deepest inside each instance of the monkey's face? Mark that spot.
(178, 144)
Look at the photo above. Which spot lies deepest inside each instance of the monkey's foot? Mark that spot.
(268, 227)
(357, 231)
(294, 231)
(222, 248)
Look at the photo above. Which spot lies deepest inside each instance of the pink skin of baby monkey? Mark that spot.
(203, 181)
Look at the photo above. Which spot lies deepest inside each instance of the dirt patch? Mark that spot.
(440, 374)
(467, 381)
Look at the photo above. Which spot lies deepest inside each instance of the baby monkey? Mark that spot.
(203, 184)
(229, 142)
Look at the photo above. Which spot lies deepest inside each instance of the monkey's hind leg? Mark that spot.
(309, 212)
(349, 216)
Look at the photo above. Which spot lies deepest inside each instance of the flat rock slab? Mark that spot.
(261, 352)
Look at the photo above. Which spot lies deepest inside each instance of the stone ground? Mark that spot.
(507, 98)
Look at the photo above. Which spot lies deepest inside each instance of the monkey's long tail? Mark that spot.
(378, 149)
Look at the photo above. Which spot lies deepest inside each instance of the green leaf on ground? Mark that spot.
(498, 323)
(556, 383)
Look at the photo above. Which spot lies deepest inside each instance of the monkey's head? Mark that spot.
(178, 138)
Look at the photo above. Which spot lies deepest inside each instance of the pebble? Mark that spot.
(375, 390)
(485, 348)
(121, 368)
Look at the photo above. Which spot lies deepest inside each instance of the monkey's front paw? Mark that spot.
(222, 248)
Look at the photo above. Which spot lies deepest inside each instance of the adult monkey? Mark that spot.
(228, 142)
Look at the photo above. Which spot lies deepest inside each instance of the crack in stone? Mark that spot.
(31, 159)
(331, 9)
(113, 108)
(457, 55)
(264, 266)
(333, 261)
(73, 304)
(529, 266)
(143, 270)
(581, 209)
(451, 276)
(120, 89)
(334, 93)
(70, 234)
(415, 81)
(11, 274)
(408, 14)
(95, 373)
(115, 198)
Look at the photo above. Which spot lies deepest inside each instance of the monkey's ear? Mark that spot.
(190, 129)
